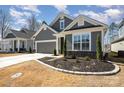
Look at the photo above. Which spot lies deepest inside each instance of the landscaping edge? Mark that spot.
(117, 69)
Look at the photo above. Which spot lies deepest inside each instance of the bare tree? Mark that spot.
(33, 24)
(4, 22)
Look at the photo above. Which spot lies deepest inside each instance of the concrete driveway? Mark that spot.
(8, 61)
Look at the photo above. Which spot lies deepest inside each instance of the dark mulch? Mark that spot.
(46, 58)
(80, 65)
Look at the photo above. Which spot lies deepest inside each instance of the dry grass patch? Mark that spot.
(35, 74)
(9, 54)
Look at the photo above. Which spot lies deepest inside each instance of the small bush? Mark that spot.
(87, 58)
(74, 56)
(11, 49)
(64, 59)
(34, 50)
(98, 48)
(113, 54)
(30, 50)
(55, 52)
(77, 61)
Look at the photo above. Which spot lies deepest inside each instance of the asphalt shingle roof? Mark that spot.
(23, 33)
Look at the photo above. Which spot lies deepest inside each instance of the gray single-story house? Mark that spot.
(80, 33)
(118, 44)
(16, 41)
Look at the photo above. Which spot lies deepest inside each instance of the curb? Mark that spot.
(117, 69)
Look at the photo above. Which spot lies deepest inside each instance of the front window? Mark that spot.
(85, 42)
(62, 24)
(77, 42)
(82, 42)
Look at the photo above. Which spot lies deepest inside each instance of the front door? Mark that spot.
(61, 45)
(15, 48)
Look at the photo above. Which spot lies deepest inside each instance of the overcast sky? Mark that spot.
(103, 13)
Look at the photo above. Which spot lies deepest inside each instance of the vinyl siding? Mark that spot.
(45, 35)
(56, 25)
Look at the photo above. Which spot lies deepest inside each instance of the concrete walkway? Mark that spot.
(8, 61)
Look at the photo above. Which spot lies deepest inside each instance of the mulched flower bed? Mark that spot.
(80, 65)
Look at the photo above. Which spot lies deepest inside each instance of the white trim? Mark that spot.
(90, 41)
(42, 41)
(60, 15)
(26, 44)
(57, 45)
(35, 46)
(13, 41)
(95, 29)
(72, 42)
(18, 45)
(80, 34)
(5, 39)
(42, 27)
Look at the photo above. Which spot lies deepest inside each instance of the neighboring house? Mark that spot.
(17, 40)
(113, 32)
(80, 33)
(111, 35)
(118, 44)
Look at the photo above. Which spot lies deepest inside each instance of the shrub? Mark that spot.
(77, 61)
(11, 49)
(87, 58)
(73, 56)
(98, 48)
(30, 50)
(112, 54)
(55, 52)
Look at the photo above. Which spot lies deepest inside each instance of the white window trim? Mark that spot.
(63, 23)
(81, 41)
(42, 41)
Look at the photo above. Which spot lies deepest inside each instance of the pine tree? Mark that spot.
(55, 52)
(98, 48)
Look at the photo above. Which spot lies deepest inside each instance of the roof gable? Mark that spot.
(60, 15)
(86, 20)
(10, 35)
(44, 26)
(19, 34)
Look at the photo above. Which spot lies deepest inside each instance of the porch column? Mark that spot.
(18, 45)
(35, 46)
(26, 45)
(57, 49)
(13, 45)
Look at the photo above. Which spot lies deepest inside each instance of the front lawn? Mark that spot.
(35, 74)
(9, 54)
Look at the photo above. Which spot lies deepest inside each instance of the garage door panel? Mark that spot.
(46, 47)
